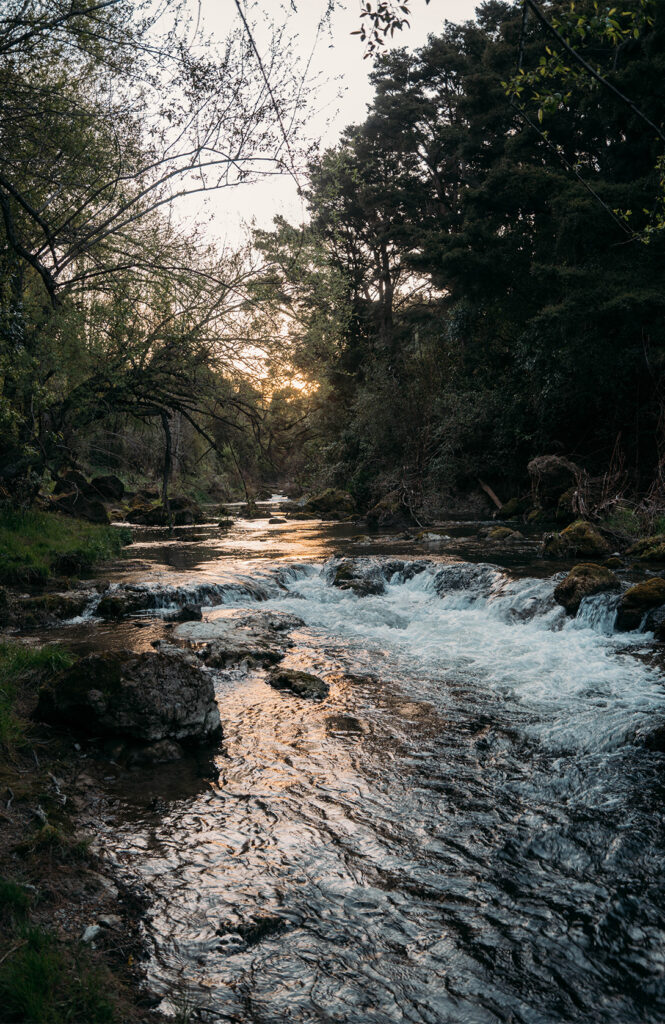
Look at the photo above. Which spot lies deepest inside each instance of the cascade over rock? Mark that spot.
(637, 601)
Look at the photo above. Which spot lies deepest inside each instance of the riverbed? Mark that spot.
(468, 829)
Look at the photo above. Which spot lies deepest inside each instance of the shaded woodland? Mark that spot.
(480, 280)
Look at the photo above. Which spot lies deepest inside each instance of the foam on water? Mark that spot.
(507, 637)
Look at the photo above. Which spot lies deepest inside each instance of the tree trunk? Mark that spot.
(167, 470)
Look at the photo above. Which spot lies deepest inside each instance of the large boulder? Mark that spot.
(637, 601)
(580, 539)
(75, 503)
(109, 487)
(389, 511)
(150, 696)
(551, 476)
(184, 512)
(331, 504)
(584, 580)
(75, 482)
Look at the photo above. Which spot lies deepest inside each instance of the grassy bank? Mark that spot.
(35, 545)
(20, 667)
(51, 885)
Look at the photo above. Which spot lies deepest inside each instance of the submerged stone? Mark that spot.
(302, 684)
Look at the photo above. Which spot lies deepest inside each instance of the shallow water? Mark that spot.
(468, 829)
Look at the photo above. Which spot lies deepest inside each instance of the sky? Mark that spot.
(341, 97)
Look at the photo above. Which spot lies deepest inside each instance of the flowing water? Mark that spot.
(468, 829)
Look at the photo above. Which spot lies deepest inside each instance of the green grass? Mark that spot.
(17, 666)
(625, 521)
(34, 544)
(43, 983)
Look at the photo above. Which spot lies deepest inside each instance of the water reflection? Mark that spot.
(432, 843)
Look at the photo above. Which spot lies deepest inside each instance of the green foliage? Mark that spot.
(14, 901)
(34, 544)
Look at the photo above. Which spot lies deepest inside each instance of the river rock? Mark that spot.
(109, 487)
(184, 512)
(504, 533)
(257, 638)
(583, 580)
(551, 476)
(649, 549)
(578, 539)
(302, 684)
(389, 511)
(655, 622)
(49, 609)
(76, 504)
(362, 578)
(637, 601)
(331, 504)
(189, 613)
(150, 696)
(115, 604)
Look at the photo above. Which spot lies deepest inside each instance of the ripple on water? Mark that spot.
(462, 831)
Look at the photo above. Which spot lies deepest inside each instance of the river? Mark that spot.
(468, 830)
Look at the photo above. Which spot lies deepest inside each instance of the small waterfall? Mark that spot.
(598, 613)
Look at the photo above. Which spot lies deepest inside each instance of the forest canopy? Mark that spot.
(479, 281)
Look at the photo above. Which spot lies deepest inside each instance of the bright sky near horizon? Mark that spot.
(341, 98)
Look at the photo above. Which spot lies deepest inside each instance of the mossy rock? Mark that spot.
(302, 684)
(564, 508)
(47, 609)
(388, 511)
(649, 549)
(504, 533)
(637, 601)
(614, 562)
(578, 539)
(513, 508)
(331, 504)
(583, 580)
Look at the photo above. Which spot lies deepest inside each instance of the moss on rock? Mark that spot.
(331, 504)
(649, 549)
(578, 539)
(638, 600)
(582, 581)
